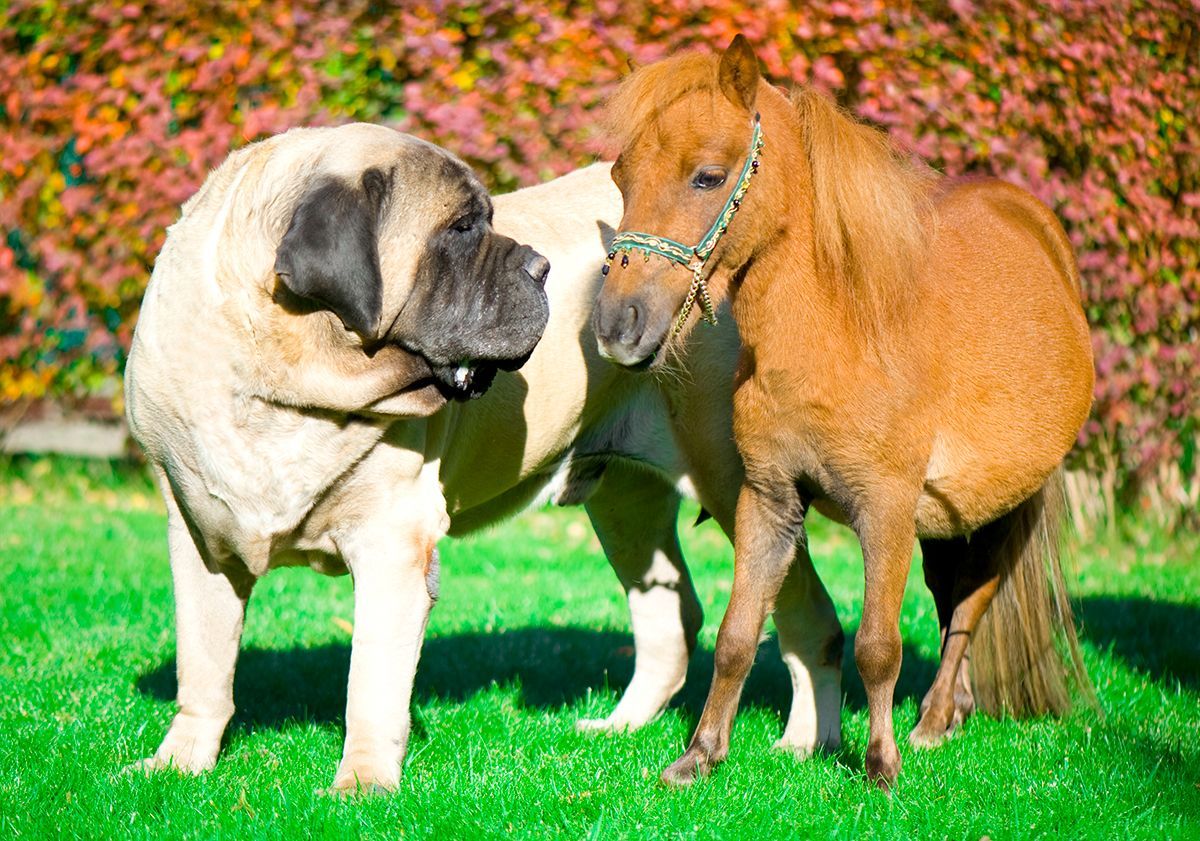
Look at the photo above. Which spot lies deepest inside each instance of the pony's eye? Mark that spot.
(709, 178)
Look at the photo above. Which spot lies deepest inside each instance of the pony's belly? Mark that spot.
(965, 489)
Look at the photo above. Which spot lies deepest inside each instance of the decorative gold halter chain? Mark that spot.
(694, 257)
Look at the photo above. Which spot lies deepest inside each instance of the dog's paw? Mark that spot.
(145, 766)
(363, 778)
(807, 744)
(344, 790)
(799, 750)
(191, 746)
(170, 762)
(625, 718)
(609, 724)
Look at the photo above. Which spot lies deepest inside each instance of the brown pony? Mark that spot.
(915, 362)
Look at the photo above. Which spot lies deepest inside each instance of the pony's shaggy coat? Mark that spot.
(873, 218)
(916, 363)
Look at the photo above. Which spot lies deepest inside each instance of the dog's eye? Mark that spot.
(464, 225)
(709, 178)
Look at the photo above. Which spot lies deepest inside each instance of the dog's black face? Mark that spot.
(477, 302)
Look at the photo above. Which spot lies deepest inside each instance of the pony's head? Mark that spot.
(853, 211)
(690, 140)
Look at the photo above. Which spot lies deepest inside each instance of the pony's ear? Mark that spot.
(329, 255)
(738, 73)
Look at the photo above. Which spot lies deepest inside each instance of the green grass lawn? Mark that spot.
(530, 634)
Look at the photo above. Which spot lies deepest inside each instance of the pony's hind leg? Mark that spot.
(963, 582)
(887, 538)
(768, 524)
(634, 513)
(810, 640)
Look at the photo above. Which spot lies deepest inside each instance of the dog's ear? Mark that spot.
(330, 256)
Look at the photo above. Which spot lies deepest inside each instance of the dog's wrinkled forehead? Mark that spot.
(431, 181)
(431, 191)
(458, 192)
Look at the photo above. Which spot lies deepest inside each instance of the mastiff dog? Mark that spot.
(310, 330)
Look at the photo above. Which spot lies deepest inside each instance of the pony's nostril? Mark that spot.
(630, 325)
(537, 267)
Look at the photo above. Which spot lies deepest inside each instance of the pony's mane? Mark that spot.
(872, 210)
(873, 214)
(651, 89)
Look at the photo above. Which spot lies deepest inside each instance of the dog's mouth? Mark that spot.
(465, 380)
(470, 378)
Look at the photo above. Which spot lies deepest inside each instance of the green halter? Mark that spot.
(693, 257)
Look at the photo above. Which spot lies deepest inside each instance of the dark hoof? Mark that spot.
(964, 704)
(688, 768)
(883, 766)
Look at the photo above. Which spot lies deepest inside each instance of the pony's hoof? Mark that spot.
(883, 766)
(927, 735)
(932, 730)
(685, 770)
(921, 739)
(964, 704)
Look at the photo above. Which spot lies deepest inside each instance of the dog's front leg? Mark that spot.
(635, 515)
(210, 606)
(395, 585)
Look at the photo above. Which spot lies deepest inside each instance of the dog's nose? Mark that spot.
(537, 267)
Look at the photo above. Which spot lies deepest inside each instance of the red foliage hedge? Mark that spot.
(112, 113)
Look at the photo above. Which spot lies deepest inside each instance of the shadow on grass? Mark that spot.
(554, 667)
(1157, 638)
(557, 667)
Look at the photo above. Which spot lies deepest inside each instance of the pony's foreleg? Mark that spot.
(768, 523)
(810, 640)
(963, 585)
(887, 538)
(634, 513)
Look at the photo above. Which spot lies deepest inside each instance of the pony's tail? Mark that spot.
(1025, 655)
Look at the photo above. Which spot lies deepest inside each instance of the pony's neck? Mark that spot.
(843, 224)
(781, 298)
(781, 286)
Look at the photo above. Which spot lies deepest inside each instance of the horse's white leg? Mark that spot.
(634, 513)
